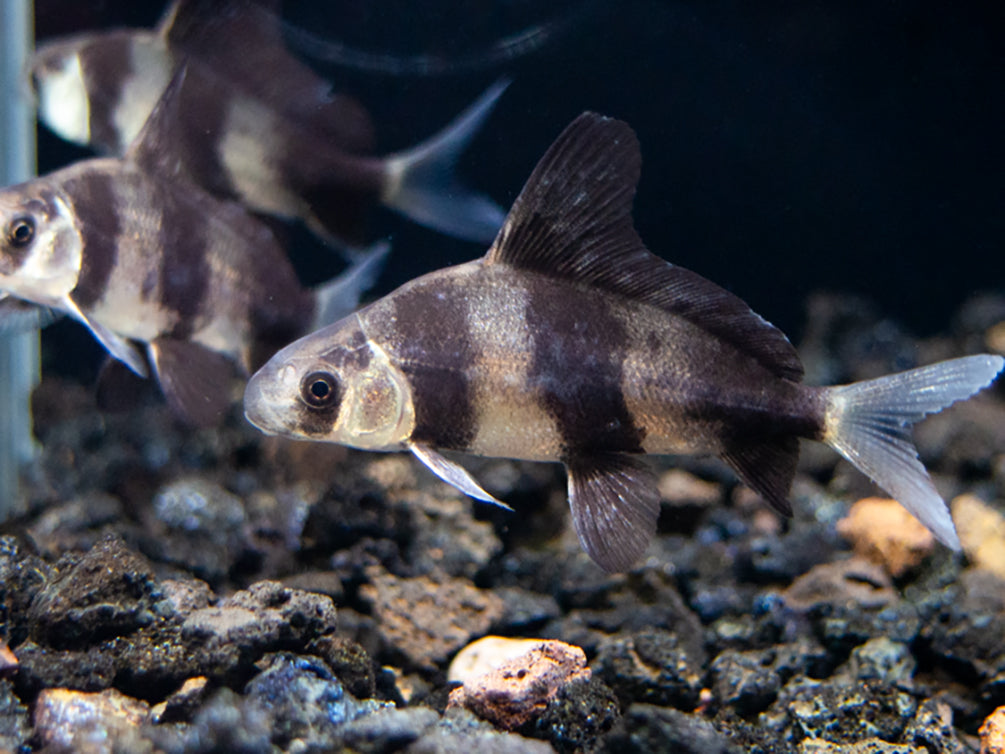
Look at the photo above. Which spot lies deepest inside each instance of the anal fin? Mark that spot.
(767, 466)
(116, 345)
(453, 474)
(195, 380)
(615, 504)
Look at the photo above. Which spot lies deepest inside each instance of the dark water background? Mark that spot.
(788, 147)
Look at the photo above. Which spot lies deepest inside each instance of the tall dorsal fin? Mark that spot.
(240, 45)
(573, 220)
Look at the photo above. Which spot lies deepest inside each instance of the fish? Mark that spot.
(171, 280)
(570, 341)
(257, 125)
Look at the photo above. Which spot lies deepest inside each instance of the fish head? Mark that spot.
(40, 246)
(335, 385)
(97, 89)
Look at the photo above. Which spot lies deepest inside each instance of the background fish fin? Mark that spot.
(869, 423)
(116, 345)
(195, 380)
(340, 297)
(767, 466)
(425, 189)
(155, 148)
(118, 388)
(573, 220)
(17, 315)
(240, 45)
(615, 504)
(453, 474)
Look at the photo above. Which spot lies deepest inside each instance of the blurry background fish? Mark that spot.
(791, 147)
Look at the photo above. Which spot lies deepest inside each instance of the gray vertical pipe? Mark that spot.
(18, 351)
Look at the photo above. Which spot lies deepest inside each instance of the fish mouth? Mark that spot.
(260, 410)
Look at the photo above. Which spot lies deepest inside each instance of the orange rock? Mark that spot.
(518, 690)
(982, 533)
(8, 662)
(61, 715)
(882, 530)
(486, 654)
(992, 732)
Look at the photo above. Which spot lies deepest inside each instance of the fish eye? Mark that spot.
(21, 232)
(319, 389)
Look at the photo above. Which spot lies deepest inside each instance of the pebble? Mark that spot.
(182, 703)
(518, 690)
(428, 619)
(982, 533)
(992, 733)
(854, 580)
(486, 654)
(882, 659)
(71, 719)
(881, 530)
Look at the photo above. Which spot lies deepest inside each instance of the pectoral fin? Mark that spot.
(615, 504)
(453, 474)
(116, 345)
(195, 380)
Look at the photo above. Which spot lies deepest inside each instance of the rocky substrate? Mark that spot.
(219, 591)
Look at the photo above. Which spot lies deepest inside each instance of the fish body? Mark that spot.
(569, 341)
(163, 274)
(254, 123)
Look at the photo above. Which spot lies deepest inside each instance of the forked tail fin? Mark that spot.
(869, 423)
(422, 185)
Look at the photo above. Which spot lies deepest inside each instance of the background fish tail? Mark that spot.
(869, 423)
(423, 185)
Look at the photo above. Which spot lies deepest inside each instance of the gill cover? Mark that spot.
(333, 385)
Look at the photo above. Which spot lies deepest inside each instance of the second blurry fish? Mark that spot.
(256, 124)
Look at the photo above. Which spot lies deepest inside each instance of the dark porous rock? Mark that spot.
(14, 728)
(647, 729)
(780, 559)
(866, 746)
(966, 634)
(226, 723)
(386, 730)
(460, 732)
(841, 628)
(650, 666)
(349, 662)
(43, 667)
(183, 703)
(524, 611)
(22, 576)
(746, 681)
(881, 659)
(199, 526)
(304, 701)
(222, 641)
(932, 729)
(110, 591)
(264, 616)
(76, 525)
(582, 711)
(839, 712)
(633, 603)
(427, 619)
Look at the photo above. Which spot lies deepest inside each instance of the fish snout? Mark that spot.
(260, 406)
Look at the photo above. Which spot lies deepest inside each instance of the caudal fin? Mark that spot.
(869, 423)
(339, 297)
(422, 185)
